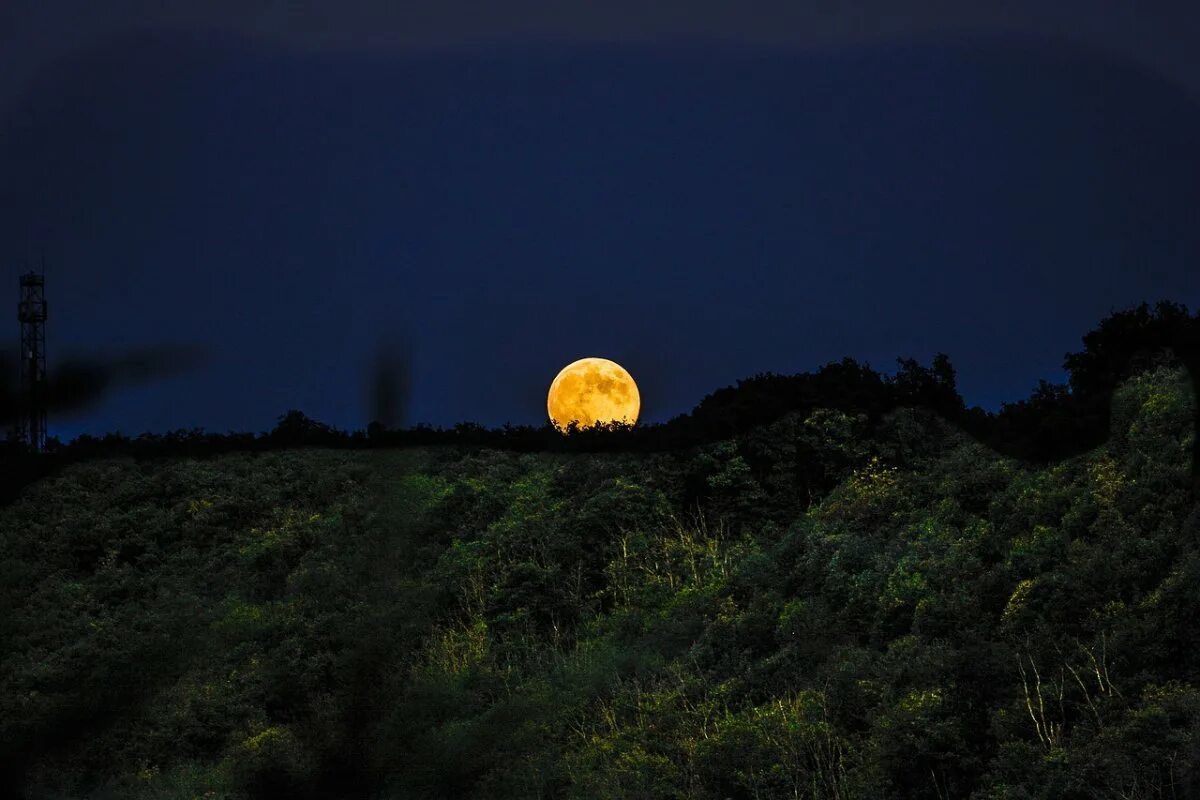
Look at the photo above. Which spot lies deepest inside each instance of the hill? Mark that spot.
(821, 606)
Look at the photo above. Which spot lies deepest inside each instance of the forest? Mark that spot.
(833, 585)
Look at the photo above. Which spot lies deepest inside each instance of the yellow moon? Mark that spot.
(593, 390)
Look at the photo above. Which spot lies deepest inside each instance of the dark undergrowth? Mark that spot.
(825, 605)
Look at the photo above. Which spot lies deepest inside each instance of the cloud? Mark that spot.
(78, 384)
(390, 383)
(1158, 35)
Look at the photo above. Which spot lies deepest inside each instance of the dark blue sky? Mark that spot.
(698, 214)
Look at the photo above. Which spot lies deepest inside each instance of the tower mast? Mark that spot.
(31, 312)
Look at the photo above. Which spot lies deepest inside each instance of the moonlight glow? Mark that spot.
(593, 390)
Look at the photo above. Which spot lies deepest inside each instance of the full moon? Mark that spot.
(590, 391)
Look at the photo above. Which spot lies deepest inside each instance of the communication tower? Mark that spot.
(31, 311)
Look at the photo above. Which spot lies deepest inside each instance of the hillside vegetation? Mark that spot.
(814, 608)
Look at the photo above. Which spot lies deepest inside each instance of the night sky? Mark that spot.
(698, 211)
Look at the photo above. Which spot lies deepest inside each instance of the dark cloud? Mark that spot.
(78, 384)
(390, 383)
(1158, 34)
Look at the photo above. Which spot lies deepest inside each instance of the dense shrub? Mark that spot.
(825, 606)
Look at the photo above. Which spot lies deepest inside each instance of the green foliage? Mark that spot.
(826, 606)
